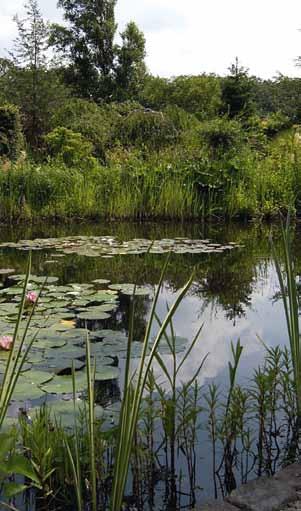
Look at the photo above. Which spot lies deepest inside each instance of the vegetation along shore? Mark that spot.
(86, 131)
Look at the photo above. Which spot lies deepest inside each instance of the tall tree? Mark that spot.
(29, 57)
(238, 92)
(25, 78)
(88, 43)
(130, 69)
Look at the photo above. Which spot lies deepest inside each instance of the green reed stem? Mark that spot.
(290, 301)
(16, 360)
(91, 380)
(133, 395)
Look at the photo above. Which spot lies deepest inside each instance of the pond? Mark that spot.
(91, 269)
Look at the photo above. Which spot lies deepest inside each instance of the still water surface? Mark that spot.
(234, 294)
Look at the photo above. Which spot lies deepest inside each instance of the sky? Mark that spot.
(197, 36)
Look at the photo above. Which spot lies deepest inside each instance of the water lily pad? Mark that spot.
(128, 289)
(49, 342)
(63, 366)
(63, 384)
(93, 315)
(66, 411)
(106, 373)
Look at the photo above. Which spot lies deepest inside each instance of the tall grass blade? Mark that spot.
(133, 396)
(290, 301)
(91, 422)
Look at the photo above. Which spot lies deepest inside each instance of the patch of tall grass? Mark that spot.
(52, 190)
(186, 182)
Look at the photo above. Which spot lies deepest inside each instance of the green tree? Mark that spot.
(155, 93)
(130, 69)
(25, 78)
(238, 92)
(88, 44)
(199, 95)
(29, 55)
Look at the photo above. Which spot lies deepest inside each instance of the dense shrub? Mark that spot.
(222, 135)
(146, 129)
(199, 95)
(70, 147)
(11, 138)
(93, 122)
(275, 122)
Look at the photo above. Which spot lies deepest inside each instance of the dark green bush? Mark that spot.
(222, 134)
(275, 122)
(11, 137)
(95, 123)
(70, 147)
(146, 129)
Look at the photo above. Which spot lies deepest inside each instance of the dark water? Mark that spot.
(234, 293)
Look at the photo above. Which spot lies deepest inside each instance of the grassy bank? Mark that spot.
(170, 184)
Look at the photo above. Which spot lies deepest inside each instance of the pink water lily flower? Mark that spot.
(31, 297)
(6, 342)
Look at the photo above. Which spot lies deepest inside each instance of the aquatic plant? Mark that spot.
(17, 354)
(133, 392)
(291, 307)
(6, 342)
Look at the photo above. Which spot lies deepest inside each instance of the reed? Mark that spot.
(287, 282)
(18, 352)
(134, 386)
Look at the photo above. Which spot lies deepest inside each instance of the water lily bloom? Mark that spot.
(31, 297)
(6, 342)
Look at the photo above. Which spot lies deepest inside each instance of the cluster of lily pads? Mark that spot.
(108, 246)
(67, 314)
(64, 317)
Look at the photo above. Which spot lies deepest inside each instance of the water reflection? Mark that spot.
(235, 295)
(232, 293)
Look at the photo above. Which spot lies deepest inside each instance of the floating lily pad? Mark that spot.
(63, 366)
(63, 384)
(49, 342)
(128, 289)
(105, 373)
(93, 315)
(107, 247)
(66, 412)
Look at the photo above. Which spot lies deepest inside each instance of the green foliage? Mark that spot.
(119, 191)
(238, 92)
(282, 94)
(130, 70)
(275, 122)
(29, 58)
(11, 138)
(70, 147)
(36, 106)
(97, 67)
(199, 95)
(25, 79)
(93, 122)
(222, 135)
(146, 129)
(88, 43)
(155, 92)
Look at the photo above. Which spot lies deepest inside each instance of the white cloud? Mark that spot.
(201, 35)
